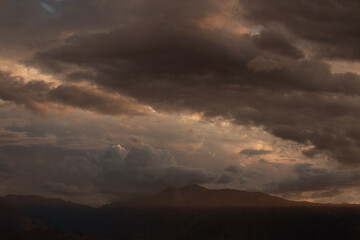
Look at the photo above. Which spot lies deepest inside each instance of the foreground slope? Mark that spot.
(55, 213)
(13, 219)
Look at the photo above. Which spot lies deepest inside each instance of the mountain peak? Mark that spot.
(194, 187)
(197, 196)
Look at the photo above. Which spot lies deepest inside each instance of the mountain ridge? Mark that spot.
(193, 195)
(191, 212)
(36, 200)
(200, 197)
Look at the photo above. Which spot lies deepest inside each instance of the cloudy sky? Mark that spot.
(117, 99)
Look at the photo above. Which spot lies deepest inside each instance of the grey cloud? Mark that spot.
(21, 138)
(262, 63)
(27, 169)
(146, 156)
(116, 172)
(183, 175)
(225, 178)
(143, 170)
(230, 174)
(277, 43)
(233, 169)
(332, 26)
(327, 194)
(13, 122)
(32, 25)
(36, 24)
(311, 152)
(254, 152)
(30, 94)
(266, 162)
(61, 188)
(95, 100)
(6, 169)
(321, 180)
(38, 96)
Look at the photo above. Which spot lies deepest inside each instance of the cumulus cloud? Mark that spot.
(143, 169)
(117, 172)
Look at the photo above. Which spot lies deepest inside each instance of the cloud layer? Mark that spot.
(262, 65)
(262, 79)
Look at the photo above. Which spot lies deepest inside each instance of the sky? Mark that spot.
(113, 100)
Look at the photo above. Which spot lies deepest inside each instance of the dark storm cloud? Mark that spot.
(277, 43)
(37, 96)
(95, 100)
(216, 73)
(331, 25)
(321, 180)
(127, 57)
(33, 24)
(312, 152)
(30, 94)
(233, 169)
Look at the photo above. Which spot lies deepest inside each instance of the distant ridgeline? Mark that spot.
(191, 212)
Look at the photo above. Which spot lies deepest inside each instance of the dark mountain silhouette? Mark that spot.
(38, 201)
(196, 196)
(55, 213)
(194, 212)
(15, 224)
(12, 219)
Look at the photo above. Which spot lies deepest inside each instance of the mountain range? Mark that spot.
(191, 212)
